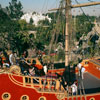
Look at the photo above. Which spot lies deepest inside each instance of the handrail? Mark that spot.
(46, 83)
(95, 62)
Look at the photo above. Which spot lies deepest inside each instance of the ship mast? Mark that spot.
(67, 10)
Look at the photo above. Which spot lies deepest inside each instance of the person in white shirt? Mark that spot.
(82, 72)
(11, 58)
(79, 68)
(74, 88)
(45, 69)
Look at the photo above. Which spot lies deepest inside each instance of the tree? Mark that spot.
(83, 25)
(31, 21)
(12, 34)
(14, 9)
(92, 44)
(20, 42)
(7, 28)
(23, 24)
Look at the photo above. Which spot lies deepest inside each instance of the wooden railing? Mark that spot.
(43, 84)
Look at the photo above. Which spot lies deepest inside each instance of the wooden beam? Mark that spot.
(54, 9)
(85, 4)
(78, 5)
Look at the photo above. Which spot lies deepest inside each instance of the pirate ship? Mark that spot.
(15, 86)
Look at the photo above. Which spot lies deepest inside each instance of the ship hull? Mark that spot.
(14, 86)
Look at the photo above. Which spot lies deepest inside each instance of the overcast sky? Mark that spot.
(43, 6)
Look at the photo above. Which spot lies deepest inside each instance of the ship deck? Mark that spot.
(91, 84)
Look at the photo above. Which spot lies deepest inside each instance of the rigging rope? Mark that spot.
(85, 15)
(46, 6)
(54, 35)
(43, 6)
(89, 22)
(90, 1)
(55, 31)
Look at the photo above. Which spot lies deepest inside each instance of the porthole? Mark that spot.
(42, 98)
(6, 96)
(24, 97)
(92, 98)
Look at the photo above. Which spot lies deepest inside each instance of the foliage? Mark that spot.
(14, 33)
(55, 27)
(14, 9)
(92, 43)
(20, 42)
(83, 25)
(61, 55)
(11, 34)
(23, 24)
(7, 27)
(44, 23)
(31, 21)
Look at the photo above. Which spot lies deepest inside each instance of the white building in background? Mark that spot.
(35, 16)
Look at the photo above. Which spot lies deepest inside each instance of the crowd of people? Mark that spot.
(8, 59)
(70, 82)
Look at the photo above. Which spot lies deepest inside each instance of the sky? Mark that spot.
(43, 6)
